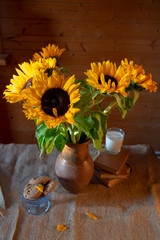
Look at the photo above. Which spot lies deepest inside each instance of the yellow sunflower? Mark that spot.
(51, 99)
(131, 68)
(45, 63)
(15, 91)
(52, 51)
(108, 78)
(137, 74)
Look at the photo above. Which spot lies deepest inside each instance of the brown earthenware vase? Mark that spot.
(74, 167)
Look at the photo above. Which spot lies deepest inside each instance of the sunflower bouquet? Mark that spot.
(66, 109)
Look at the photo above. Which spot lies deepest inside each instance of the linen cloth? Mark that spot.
(130, 210)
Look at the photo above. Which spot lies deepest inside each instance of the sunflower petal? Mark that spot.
(54, 110)
(61, 227)
(91, 215)
(40, 188)
(68, 83)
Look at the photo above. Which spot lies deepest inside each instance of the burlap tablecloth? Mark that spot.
(130, 210)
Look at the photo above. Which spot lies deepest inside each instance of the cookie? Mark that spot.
(49, 187)
(39, 180)
(31, 191)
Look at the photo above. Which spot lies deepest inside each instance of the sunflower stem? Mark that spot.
(79, 135)
(73, 137)
(66, 132)
(111, 105)
(71, 131)
(97, 101)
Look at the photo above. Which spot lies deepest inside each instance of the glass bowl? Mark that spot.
(36, 206)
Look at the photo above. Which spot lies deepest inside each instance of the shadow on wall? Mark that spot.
(14, 127)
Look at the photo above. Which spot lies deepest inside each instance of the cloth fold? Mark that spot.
(2, 204)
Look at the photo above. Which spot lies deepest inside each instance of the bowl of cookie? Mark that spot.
(36, 189)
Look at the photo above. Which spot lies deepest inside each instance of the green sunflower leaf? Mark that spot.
(84, 100)
(50, 134)
(40, 135)
(83, 122)
(136, 96)
(59, 142)
(64, 70)
(127, 103)
(99, 107)
(41, 140)
(98, 129)
(101, 118)
(84, 85)
(134, 87)
(41, 143)
(121, 105)
(49, 146)
(41, 129)
(45, 137)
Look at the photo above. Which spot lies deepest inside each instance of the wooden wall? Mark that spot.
(90, 31)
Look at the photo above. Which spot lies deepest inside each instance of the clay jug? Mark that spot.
(74, 167)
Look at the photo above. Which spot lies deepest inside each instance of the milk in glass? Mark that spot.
(114, 140)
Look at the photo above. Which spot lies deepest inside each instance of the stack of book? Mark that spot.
(112, 169)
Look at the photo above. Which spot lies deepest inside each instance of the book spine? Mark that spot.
(111, 183)
(122, 166)
(102, 174)
(111, 170)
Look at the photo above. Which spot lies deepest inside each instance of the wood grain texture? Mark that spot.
(90, 31)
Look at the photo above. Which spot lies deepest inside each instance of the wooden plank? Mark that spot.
(8, 136)
(72, 39)
(89, 46)
(4, 59)
(18, 122)
(79, 29)
(95, 2)
(85, 11)
(102, 46)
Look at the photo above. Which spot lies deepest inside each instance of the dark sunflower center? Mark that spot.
(107, 77)
(55, 102)
(55, 98)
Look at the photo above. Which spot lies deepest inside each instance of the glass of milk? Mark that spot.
(114, 140)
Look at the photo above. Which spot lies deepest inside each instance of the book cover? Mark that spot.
(100, 173)
(112, 163)
(111, 182)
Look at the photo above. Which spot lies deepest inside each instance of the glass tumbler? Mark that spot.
(114, 140)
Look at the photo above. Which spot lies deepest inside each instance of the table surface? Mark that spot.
(130, 210)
